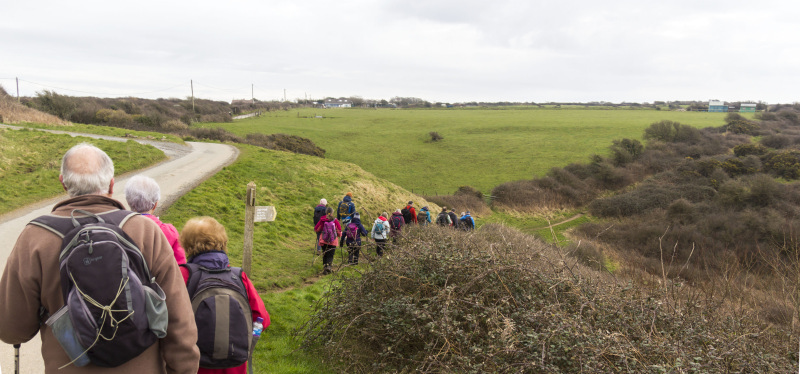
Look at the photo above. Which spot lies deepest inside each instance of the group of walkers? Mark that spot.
(112, 290)
(346, 229)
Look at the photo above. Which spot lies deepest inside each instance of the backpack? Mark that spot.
(222, 314)
(466, 223)
(406, 214)
(422, 217)
(441, 219)
(395, 222)
(352, 232)
(319, 211)
(111, 321)
(344, 209)
(328, 232)
(378, 229)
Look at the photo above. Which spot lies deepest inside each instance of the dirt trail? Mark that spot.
(579, 215)
(186, 167)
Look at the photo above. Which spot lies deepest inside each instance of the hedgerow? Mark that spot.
(502, 302)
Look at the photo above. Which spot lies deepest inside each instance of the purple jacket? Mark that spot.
(172, 238)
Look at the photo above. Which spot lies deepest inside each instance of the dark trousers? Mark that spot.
(353, 250)
(318, 246)
(327, 255)
(380, 245)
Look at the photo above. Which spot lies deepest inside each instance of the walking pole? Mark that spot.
(16, 358)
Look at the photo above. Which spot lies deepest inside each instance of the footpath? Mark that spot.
(187, 167)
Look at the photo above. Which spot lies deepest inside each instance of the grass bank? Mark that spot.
(30, 162)
(481, 147)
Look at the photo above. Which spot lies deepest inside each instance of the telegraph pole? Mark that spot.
(191, 84)
(18, 89)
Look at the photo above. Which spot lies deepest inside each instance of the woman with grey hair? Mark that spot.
(143, 194)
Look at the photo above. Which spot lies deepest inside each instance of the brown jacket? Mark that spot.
(31, 278)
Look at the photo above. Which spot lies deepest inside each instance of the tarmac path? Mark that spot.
(186, 167)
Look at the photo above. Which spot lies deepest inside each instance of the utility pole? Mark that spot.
(191, 84)
(18, 89)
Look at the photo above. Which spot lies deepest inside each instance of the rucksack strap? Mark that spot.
(61, 225)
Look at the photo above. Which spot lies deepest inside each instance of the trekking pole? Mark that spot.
(16, 358)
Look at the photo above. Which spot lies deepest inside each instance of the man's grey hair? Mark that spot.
(86, 170)
(142, 193)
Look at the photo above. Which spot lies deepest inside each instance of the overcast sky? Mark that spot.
(437, 50)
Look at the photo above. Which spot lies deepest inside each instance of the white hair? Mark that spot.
(142, 193)
(86, 170)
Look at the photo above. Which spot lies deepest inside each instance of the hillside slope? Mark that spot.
(294, 184)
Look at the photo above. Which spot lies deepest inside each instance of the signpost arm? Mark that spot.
(249, 216)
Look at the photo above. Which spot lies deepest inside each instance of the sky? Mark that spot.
(437, 50)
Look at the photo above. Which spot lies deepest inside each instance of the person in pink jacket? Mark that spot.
(329, 245)
(143, 194)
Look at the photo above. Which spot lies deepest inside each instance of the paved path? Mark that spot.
(187, 167)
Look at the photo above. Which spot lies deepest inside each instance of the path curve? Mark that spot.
(186, 167)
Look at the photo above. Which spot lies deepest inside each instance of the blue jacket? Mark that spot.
(345, 212)
(471, 224)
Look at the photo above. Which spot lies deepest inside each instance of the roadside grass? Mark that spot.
(277, 350)
(30, 162)
(104, 130)
(481, 147)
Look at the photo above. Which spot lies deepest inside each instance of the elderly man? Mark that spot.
(31, 281)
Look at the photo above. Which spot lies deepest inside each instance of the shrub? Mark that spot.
(785, 164)
(469, 191)
(672, 132)
(742, 150)
(435, 137)
(174, 125)
(777, 141)
(282, 142)
(625, 151)
(497, 301)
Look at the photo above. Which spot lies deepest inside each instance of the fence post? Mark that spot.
(249, 218)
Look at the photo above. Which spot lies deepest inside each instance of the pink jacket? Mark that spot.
(172, 237)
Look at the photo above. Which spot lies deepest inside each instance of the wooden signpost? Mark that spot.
(252, 214)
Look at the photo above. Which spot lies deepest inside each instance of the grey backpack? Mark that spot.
(114, 309)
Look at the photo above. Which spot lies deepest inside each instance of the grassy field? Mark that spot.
(481, 147)
(30, 163)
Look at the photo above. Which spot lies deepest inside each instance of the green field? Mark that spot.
(481, 147)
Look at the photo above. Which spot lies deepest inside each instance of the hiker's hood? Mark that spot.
(347, 199)
(355, 220)
(381, 218)
(211, 260)
(397, 214)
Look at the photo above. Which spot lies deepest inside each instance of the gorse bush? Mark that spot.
(497, 301)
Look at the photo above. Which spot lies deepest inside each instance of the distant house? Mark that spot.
(747, 108)
(337, 103)
(717, 106)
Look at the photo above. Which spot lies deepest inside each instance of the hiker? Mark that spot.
(330, 231)
(409, 213)
(345, 211)
(443, 219)
(467, 223)
(30, 288)
(353, 233)
(380, 233)
(453, 217)
(142, 194)
(396, 223)
(424, 216)
(319, 211)
(206, 244)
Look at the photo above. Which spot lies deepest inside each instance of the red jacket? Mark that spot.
(413, 213)
(318, 228)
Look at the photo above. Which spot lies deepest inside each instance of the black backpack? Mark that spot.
(441, 219)
(406, 214)
(114, 310)
(422, 217)
(222, 314)
(319, 211)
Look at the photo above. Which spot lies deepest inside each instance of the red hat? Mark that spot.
(382, 218)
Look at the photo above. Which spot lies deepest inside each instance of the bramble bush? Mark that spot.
(498, 301)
